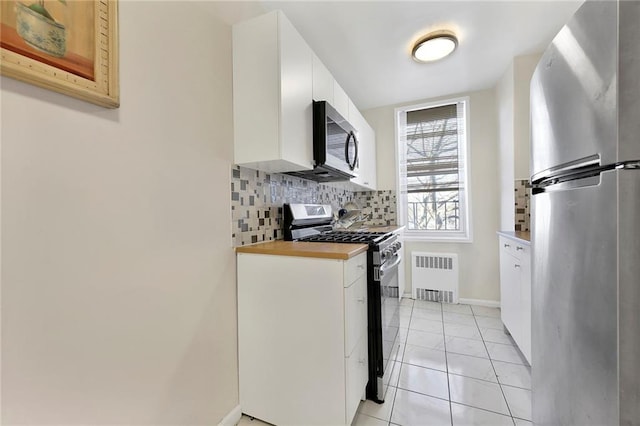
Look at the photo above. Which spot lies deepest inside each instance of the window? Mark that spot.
(433, 191)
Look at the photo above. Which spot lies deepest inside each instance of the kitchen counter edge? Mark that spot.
(339, 251)
(388, 228)
(521, 236)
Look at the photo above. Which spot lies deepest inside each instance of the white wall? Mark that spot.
(479, 274)
(524, 66)
(512, 92)
(505, 105)
(118, 277)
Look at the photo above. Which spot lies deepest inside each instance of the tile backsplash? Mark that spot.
(379, 205)
(257, 198)
(522, 206)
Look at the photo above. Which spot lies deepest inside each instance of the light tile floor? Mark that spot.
(456, 367)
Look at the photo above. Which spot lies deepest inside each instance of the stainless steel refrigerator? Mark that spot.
(585, 128)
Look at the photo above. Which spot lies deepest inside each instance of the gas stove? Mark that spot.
(313, 223)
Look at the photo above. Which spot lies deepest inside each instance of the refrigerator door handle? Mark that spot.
(576, 174)
(566, 169)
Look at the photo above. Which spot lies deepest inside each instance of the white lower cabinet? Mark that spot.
(302, 338)
(515, 291)
(357, 373)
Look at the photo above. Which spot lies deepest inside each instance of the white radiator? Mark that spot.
(434, 276)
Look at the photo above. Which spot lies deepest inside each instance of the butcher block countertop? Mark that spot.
(524, 236)
(339, 251)
(390, 228)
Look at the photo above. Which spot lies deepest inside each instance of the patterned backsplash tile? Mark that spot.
(257, 198)
(379, 205)
(522, 206)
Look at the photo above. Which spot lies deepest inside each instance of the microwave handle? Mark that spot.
(346, 151)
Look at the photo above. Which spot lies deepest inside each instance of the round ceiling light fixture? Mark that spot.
(434, 46)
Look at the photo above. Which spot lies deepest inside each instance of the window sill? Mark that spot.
(419, 236)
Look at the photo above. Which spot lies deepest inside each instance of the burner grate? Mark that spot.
(346, 237)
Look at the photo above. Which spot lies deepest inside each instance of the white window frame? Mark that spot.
(465, 234)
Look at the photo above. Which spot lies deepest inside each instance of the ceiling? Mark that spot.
(367, 44)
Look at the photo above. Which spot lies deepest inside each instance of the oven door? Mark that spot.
(385, 333)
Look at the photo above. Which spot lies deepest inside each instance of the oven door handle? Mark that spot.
(386, 267)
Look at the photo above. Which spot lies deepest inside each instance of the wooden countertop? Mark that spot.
(339, 251)
(390, 228)
(523, 236)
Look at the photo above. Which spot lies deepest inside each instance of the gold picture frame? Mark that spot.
(69, 46)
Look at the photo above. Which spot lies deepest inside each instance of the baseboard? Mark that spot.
(232, 418)
(480, 302)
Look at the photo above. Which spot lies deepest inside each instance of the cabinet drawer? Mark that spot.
(514, 248)
(507, 246)
(354, 268)
(357, 377)
(355, 315)
(521, 251)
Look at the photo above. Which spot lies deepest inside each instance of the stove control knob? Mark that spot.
(397, 245)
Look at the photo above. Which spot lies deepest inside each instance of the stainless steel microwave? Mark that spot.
(335, 146)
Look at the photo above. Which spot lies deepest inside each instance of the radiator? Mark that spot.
(434, 276)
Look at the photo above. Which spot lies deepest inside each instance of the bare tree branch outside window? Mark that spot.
(433, 170)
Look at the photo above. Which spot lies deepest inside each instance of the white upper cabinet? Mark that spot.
(272, 95)
(340, 100)
(322, 82)
(276, 77)
(366, 150)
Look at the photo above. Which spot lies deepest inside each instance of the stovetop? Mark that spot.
(347, 237)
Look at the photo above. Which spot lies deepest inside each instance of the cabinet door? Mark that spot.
(340, 100)
(525, 302)
(366, 150)
(272, 95)
(256, 82)
(509, 289)
(368, 159)
(296, 93)
(357, 370)
(355, 316)
(322, 82)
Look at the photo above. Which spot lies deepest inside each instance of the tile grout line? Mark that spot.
(446, 352)
(494, 371)
(446, 363)
(393, 406)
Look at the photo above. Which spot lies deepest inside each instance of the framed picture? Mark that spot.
(70, 46)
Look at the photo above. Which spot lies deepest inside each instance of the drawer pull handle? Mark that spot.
(507, 246)
(519, 248)
(516, 266)
(361, 300)
(360, 266)
(361, 361)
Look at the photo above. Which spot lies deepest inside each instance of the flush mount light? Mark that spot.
(434, 46)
